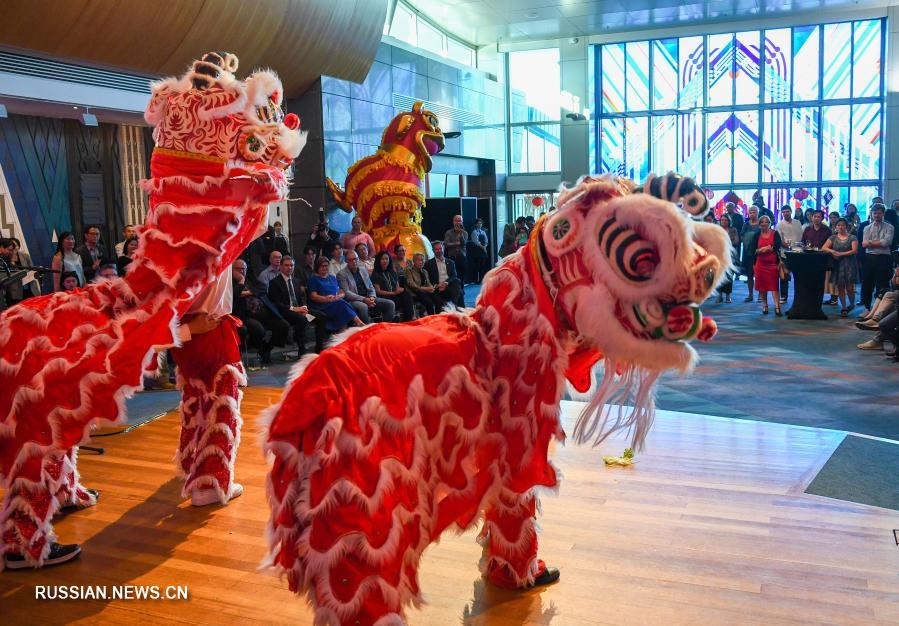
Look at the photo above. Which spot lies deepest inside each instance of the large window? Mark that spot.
(535, 110)
(793, 114)
(407, 25)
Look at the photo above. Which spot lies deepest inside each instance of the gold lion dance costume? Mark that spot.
(70, 359)
(455, 428)
(387, 188)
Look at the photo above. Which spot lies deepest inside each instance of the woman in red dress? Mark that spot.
(767, 249)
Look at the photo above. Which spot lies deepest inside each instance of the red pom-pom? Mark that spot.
(292, 121)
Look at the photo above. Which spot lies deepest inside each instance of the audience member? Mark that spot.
(387, 285)
(852, 218)
(790, 231)
(530, 222)
(443, 276)
(399, 262)
(263, 330)
(92, 253)
(68, 281)
(334, 253)
(279, 239)
(510, 231)
(66, 259)
(106, 271)
(129, 247)
(747, 261)
(322, 235)
(799, 216)
(15, 257)
(272, 270)
(418, 283)
(325, 294)
(844, 275)
(307, 267)
(288, 295)
(876, 240)
(892, 218)
(735, 217)
(364, 259)
(883, 307)
(478, 252)
(521, 236)
(359, 291)
(128, 232)
(765, 249)
(816, 234)
(455, 242)
(832, 218)
(350, 240)
(725, 289)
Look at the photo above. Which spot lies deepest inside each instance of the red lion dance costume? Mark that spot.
(69, 360)
(454, 427)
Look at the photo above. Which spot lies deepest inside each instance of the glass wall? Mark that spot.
(791, 114)
(535, 109)
(407, 25)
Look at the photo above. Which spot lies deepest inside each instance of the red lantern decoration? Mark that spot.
(801, 194)
(537, 201)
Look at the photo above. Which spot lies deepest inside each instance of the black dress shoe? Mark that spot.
(548, 577)
(59, 553)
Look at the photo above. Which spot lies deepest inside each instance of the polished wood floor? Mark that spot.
(709, 527)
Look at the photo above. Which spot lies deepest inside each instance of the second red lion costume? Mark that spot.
(384, 441)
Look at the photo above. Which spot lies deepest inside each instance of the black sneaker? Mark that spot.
(59, 554)
(548, 577)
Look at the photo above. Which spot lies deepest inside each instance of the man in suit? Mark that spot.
(289, 296)
(92, 253)
(442, 274)
(359, 291)
(419, 284)
(261, 327)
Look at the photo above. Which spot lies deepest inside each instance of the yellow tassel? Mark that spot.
(624, 460)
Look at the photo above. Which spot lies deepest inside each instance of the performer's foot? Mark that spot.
(549, 576)
(81, 504)
(205, 497)
(59, 553)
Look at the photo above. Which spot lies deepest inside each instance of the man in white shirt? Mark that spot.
(128, 232)
(273, 269)
(442, 274)
(790, 232)
(876, 240)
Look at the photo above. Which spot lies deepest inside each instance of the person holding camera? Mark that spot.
(322, 235)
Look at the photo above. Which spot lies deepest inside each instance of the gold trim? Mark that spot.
(189, 155)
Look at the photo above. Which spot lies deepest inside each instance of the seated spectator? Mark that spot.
(66, 260)
(129, 247)
(128, 232)
(326, 295)
(68, 281)
(106, 272)
(288, 295)
(882, 318)
(387, 285)
(418, 283)
(273, 269)
(400, 263)
(349, 241)
(334, 254)
(92, 253)
(455, 242)
(263, 329)
(364, 259)
(360, 293)
(322, 235)
(442, 274)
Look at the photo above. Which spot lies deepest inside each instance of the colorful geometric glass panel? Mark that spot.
(692, 72)
(776, 146)
(664, 74)
(805, 60)
(835, 143)
(837, 70)
(805, 143)
(720, 65)
(834, 198)
(611, 141)
(778, 65)
(613, 78)
(866, 59)
(637, 59)
(664, 143)
(690, 153)
(866, 134)
(719, 160)
(636, 150)
(747, 67)
(746, 146)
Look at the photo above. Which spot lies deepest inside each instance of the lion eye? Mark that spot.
(633, 257)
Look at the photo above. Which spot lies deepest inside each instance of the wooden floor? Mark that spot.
(710, 527)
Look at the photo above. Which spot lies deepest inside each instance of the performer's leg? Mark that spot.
(509, 537)
(209, 373)
(29, 503)
(71, 492)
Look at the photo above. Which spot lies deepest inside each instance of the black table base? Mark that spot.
(808, 269)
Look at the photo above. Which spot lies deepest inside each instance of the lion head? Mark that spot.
(416, 134)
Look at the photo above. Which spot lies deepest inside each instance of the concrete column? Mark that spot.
(575, 133)
(891, 134)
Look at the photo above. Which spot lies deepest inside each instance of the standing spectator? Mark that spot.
(763, 210)
(725, 289)
(359, 291)
(273, 269)
(832, 218)
(128, 249)
(279, 239)
(479, 255)
(799, 216)
(419, 284)
(530, 222)
(350, 240)
(287, 294)
(92, 253)
(817, 233)
(790, 231)
(307, 268)
(66, 259)
(521, 236)
(387, 285)
(747, 261)
(364, 260)
(829, 287)
(326, 295)
(334, 253)
(852, 218)
(455, 242)
(735, 217)
(809, 212)
(891, 216)
(509, 235)
(843, 275)
(20, 258)
(128, 232)
(876, 241)
(322, 235)
(766, 250)
(442, 274)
